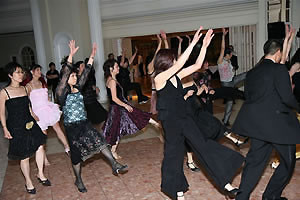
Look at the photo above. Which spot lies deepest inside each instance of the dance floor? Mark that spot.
(143, 156)
(141, 182)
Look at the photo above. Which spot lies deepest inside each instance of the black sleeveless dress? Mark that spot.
(26, 133)
(120, 122)
(220, 162)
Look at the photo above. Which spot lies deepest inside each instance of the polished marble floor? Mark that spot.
(143, 153)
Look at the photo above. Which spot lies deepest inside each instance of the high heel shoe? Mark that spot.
(232, 193)
(44, 182)
(194, 168)
(119, 169)
(238, 143)
(81, 189)
(30, 191)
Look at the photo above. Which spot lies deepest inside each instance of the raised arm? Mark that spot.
(85, 74)
(189, 38)
(179, 45)
(164, 37)
(62, 89)
(221, 56)
(162, 77)
(131, 59)
(287, 43)
(191, 69)
(151, 64)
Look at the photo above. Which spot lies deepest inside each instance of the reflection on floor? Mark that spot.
(143, 153)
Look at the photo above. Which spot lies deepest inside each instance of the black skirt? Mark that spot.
(84, 141)
(95, 112)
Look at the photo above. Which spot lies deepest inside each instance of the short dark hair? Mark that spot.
(51, 63)
(35, 66)
(77, 64)
(227, 51)
(110, 54)
(106, 67)
(11, 67)
(164, 59)
(272, 46)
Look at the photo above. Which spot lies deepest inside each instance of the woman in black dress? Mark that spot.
(84, 140)
(220, 163)
(96, 114)
(20, 127)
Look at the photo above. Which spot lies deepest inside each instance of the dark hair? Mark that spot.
(107, 66)
(227, 51)
(64, 60)
(125, 60)
(272, 46)
(34, 67)
(110, 54)
(197, 76)
(51, 64)
(164, 59)
(77, 64)
(11, 67)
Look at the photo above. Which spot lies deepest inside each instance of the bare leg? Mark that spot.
(190, 162)
(46, 162)
(40, 158)
(61, 136)
(114, 151)
(154, 123)
(25, 168)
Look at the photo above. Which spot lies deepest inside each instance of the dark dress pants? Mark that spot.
(132, 86)
(256, 161)
(219, 162)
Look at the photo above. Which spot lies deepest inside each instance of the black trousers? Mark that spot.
(219, 162)
(256, 161)
(132, 86)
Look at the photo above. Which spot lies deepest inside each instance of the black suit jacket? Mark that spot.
(268, 112)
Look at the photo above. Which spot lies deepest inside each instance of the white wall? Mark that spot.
(11, 45)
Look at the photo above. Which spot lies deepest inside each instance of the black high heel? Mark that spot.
(119, 170)
(30, 191)
(195, 169)
(82, 189)
(237, 144)
(44, 182)
(232, 193)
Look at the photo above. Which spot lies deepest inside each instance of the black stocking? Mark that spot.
(114, 164)
(78, 182)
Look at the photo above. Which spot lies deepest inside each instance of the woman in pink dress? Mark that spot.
(47, 112)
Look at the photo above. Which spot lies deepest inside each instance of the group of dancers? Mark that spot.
(185, 124)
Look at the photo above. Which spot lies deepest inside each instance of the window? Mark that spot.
(278, 11)
(27, 57)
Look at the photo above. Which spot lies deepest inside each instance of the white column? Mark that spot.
(119, 46)
(96, 36)
(261, 28)
(38, 35)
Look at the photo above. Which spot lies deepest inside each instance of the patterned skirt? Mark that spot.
(84, 141)
(120, 122)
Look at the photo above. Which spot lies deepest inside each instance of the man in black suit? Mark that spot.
(268, 118)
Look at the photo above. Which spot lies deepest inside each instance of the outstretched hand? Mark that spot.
(225, 31)
(179, 38)
(94, 50)
(207, 39)
(197, 35)
(72, 47)
(163, 34)
(158, 37)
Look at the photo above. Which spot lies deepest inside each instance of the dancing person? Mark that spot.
(123, 119)
(220, 162)
(124, 78)
(96, 114)
(227, 78)
(20, 127)
(267, 117)
(47, 112)
(84, 140)
(52, 78)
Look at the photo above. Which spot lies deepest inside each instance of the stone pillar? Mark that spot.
(38, 35)
(94, 13)
(261, 37)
